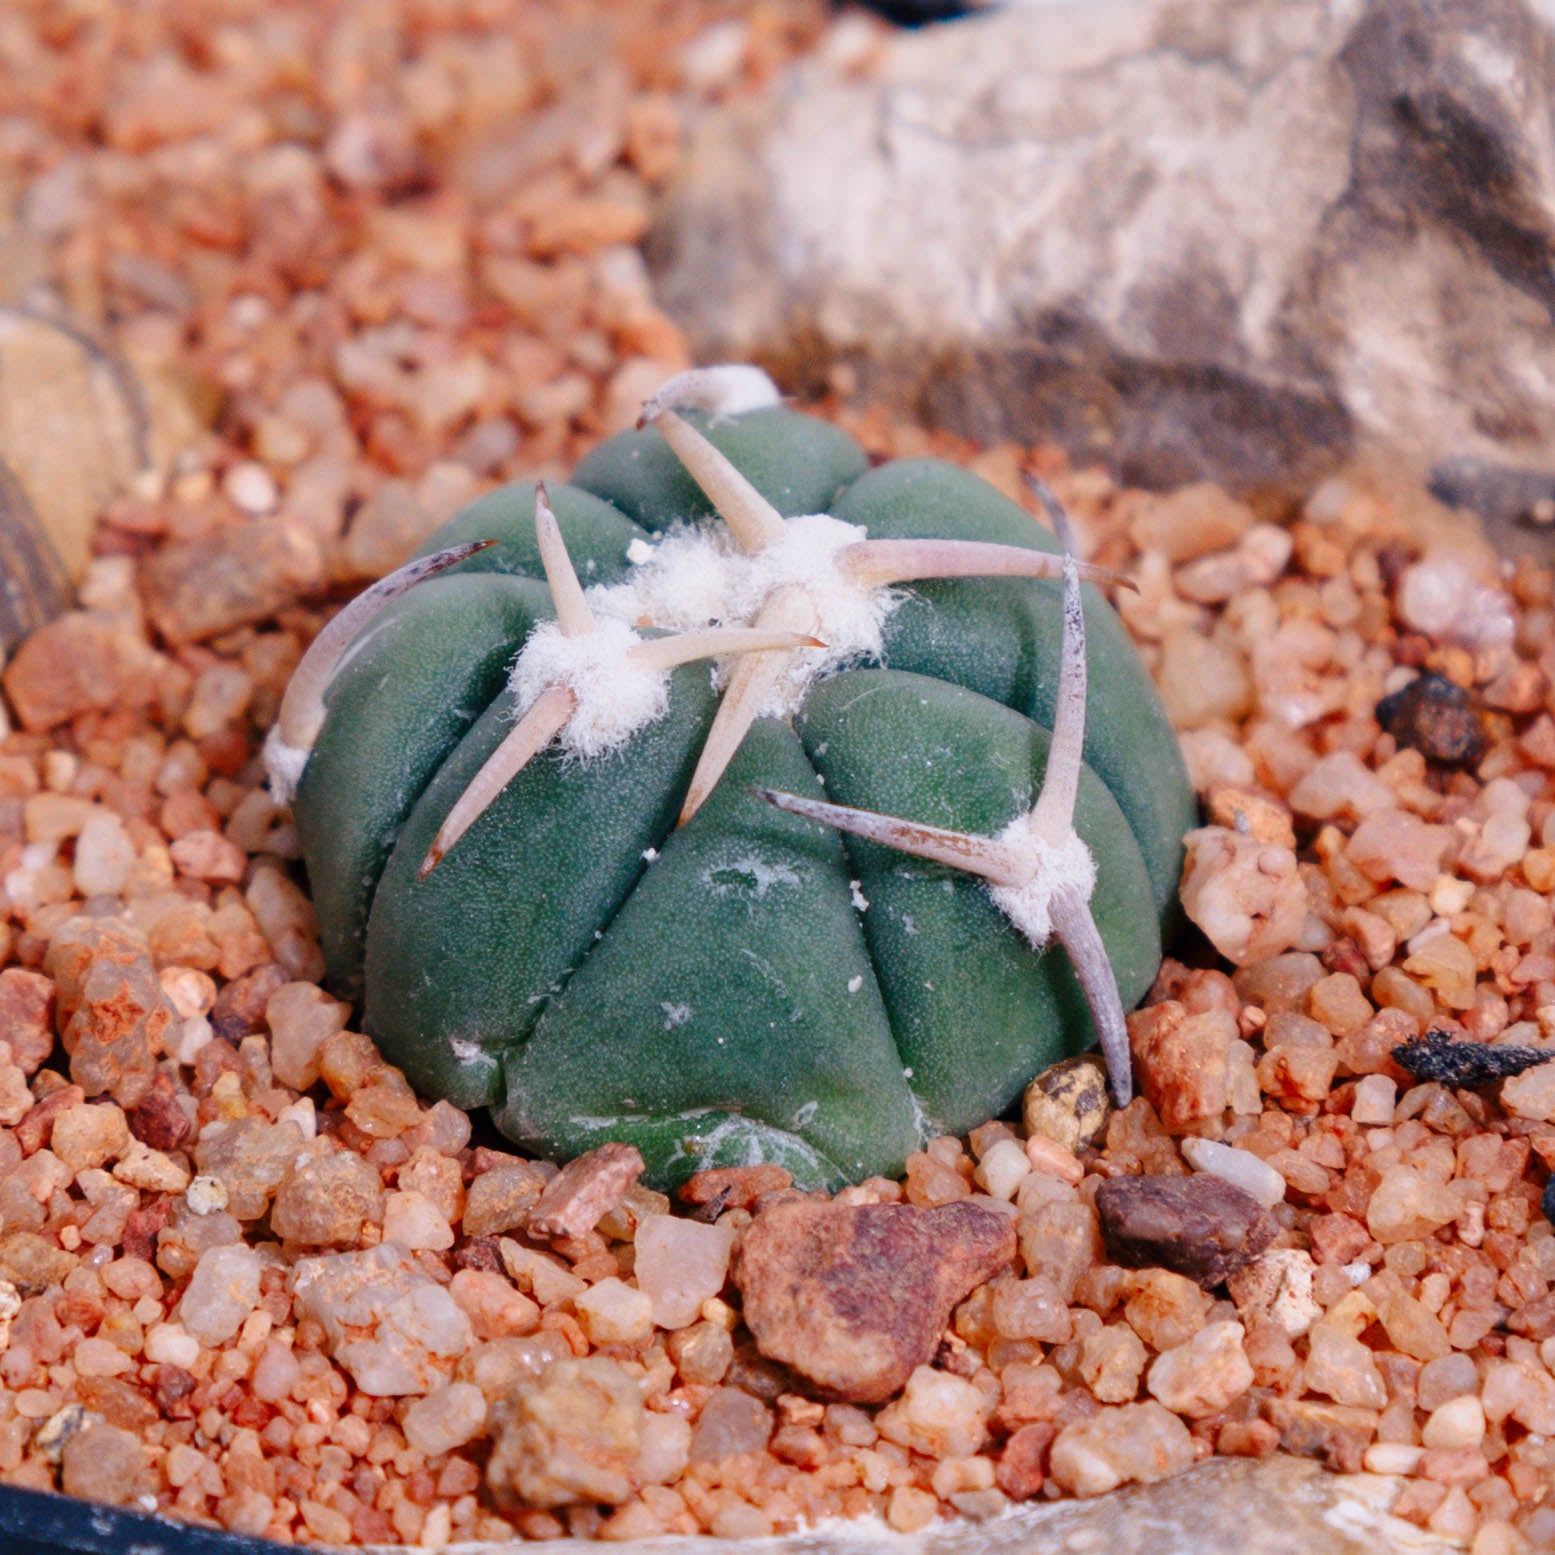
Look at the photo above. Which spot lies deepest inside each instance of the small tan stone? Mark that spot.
(27, 1017)
(574, 1201)
(1203, 1376)
(1134, 1442)
(86, 659)
(1182, 1061)
(1246, 895)
(1250, 814)
(501, 1198)
(89, 1135)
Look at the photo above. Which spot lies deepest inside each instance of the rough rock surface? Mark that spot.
(1202, 239)
(113, 1013)
(1203, 1227)
(1228, 1506)
(855, 1296)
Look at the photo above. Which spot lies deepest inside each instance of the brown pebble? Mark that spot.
(158, 1121)
(855, 1296)
(239, 1010)
(1336, 1433)
(1436, 717)
(1019, 1471)
(577, 1199)
(479, 1252)
(1202, 1227)
(737, 1187)
(241, 574)
(141, 1228)
(173, 1386)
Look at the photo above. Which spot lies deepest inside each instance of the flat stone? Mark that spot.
(502, 1197)
(244, 573)
(1202, 1227)
(1026, 228)
(854, 1297)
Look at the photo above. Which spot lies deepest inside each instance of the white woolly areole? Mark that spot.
(283, 766)
(698, 577)
(1055, 866)
(720, 392)
(616, 695)
(849, 615)
(689, 578)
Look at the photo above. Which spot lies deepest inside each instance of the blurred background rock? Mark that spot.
(1251, 241)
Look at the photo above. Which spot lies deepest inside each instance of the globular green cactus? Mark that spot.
(736, 800)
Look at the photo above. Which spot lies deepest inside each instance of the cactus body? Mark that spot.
(749, 985)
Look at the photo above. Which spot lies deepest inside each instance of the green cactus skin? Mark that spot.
(715, 994)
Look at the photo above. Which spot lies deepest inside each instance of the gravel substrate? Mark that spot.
(370, 259)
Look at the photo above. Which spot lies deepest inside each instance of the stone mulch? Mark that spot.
(369, 260)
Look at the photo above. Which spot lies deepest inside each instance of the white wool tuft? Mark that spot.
(1054, 866)
(699, 577)
(616, 695)
(689, 578)
(849, 615)
(719, 392)
(284, 766)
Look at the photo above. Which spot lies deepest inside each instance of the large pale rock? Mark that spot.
(1244, 240)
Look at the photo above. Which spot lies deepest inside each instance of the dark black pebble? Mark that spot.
(1437, 718)
(1436, 1056)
